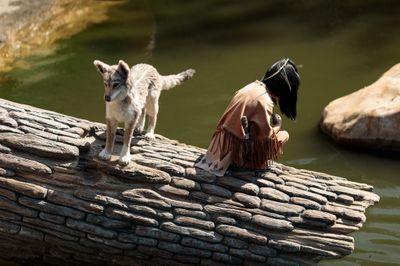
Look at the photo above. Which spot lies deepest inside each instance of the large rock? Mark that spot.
(369, 117)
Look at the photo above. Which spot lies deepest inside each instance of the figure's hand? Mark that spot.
(276, 120)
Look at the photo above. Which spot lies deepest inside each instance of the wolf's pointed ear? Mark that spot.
(101, 67)
(123, 68)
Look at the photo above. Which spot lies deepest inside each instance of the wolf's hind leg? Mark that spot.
(152, 111)
(105, 154)
(139, 129)
(150, 130)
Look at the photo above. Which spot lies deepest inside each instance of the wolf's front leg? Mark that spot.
(105, 154)
(125, 156)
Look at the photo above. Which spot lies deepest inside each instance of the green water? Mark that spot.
(341, 46)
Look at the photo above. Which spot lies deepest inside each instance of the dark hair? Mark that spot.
(283, 81)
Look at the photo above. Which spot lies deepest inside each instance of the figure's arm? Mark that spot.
(281, 135)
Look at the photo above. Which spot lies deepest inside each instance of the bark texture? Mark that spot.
(60, 205)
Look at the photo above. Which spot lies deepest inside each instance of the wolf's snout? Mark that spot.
(107, 98)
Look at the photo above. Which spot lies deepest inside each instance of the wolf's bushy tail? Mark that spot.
(171, 81)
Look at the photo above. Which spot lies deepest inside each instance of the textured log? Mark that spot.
(60, 205)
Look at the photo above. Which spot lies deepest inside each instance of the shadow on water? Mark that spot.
(341, 45)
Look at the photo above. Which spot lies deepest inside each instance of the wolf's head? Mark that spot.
(115, 79)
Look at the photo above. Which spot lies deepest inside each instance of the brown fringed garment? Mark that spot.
(229, 145)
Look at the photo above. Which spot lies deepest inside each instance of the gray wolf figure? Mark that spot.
(130, 95)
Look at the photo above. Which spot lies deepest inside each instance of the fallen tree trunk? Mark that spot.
(60, 205)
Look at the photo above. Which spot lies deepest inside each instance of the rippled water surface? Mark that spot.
(341, 46)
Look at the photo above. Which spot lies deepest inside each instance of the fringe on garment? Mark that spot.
(251, 153)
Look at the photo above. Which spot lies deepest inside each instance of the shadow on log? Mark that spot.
(60, 205)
